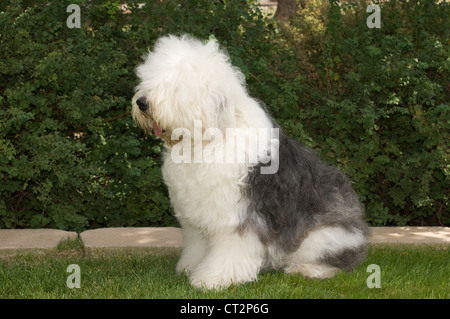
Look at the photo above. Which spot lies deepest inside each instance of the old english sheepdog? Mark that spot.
(247, 197)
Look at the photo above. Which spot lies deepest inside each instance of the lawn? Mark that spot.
(406, 272)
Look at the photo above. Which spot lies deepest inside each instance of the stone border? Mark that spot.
(410, 235)
(132, 237)
(127, 237)
(33, 238)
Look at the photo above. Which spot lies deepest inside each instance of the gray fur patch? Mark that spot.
(304, 194)
(346, 259)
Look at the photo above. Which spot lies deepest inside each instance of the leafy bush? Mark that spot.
(374, 101)
(70, 155)
(384, 115)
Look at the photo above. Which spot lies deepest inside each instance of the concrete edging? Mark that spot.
(410, 235)
(132, 237)
(33, 238)
(125, 237)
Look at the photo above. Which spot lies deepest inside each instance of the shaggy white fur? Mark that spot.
(228, 237)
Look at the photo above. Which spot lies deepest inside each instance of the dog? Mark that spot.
(286, 210)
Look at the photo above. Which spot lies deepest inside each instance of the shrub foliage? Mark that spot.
(384, 110)
(374, 101)
(70, 155)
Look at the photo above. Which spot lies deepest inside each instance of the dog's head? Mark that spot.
(185, 80)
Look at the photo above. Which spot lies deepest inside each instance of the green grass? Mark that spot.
(406, 272)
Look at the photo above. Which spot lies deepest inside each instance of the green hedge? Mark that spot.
(375, 102)
(70, 156)
(381, 108)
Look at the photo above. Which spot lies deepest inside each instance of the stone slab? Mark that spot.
(33, 238)
(172, 237)
(410, 235)
(132, 237)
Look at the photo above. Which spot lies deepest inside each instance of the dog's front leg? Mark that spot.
(194, 248)
(232, 258)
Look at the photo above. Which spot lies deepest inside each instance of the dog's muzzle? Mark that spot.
(142, 103)
(144, 107)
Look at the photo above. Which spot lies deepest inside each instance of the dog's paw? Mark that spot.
(183, 268)
(209, 283)
(316, 271)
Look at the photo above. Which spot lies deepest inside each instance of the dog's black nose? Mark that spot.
(142, 103)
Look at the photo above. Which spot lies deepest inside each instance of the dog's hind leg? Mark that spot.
(327, 250)
(317, 270)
